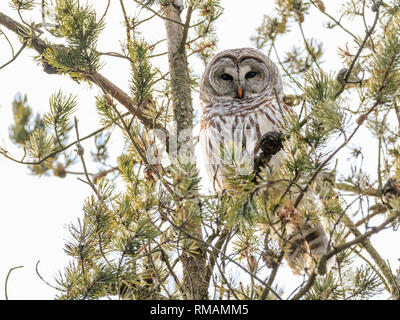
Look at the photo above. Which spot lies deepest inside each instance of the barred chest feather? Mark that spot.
(230, 132)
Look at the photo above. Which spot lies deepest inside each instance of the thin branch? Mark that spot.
(314, 58)
(357, 189)
(31, 25)
(306, 288)
(127, 23)
(361, 237)
(214, 253)
(41, 278)
(8, 275)
(336, 21)
(158, 14)
(115, 55)
(14, 57)
(80, 151)
(272, 276)
(360, 49)
(9, 42)
(178, 283)
(186, 27)
(105, 11)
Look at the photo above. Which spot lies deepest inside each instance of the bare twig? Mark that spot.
(186, 27)
(360, 49)
(158, 14)
(336, 21)
(14, 57)
(310, 52)
(363, 240)
(272, 276)
(9, 42)
(6, 283)
(105, 11)
(41, 278)
(306, 287)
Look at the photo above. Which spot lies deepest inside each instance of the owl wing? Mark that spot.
(209, 141)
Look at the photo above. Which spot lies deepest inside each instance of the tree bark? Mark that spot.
(194, 265)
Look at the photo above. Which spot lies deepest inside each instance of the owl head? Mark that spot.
(239, 74)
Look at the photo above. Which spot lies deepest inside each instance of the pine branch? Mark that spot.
(360, 49)
(40, 46)
(51, 155)
(363, 240)
(357, 190)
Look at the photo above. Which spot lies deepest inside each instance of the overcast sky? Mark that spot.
(34, 210)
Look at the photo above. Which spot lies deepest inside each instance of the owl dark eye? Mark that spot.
(250, 74)
(226, 77)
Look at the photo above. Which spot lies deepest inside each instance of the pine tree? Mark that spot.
(147, 230)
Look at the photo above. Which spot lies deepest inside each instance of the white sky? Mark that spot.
(34, 210)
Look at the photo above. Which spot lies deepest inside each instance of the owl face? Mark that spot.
(238, 79)
(239, 74)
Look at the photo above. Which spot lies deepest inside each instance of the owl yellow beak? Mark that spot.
(240, 92)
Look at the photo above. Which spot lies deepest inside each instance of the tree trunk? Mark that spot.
(194, 265)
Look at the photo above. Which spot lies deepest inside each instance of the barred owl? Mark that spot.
(241, 97)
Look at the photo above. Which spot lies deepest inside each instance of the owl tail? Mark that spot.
(304, 242)
(306, 245)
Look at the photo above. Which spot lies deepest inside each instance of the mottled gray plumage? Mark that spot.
(241, 96)
(230, 119)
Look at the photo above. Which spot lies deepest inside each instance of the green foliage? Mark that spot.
(385, 65)
(39, 147)
(141, 228)
(324, 288)
(61, 108)
(295, 63)
(295, 8)
(22, 4)
(204, 30)
(74, 283)
(108, 243)
(40, 144)
(33, 134)
(367, 283)
(78, 26)
(106, 110)
(325, 111)
(268, 31)
(101, 141)
(20, 131)
(142, 72)
(351, 9)
(300, 63)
